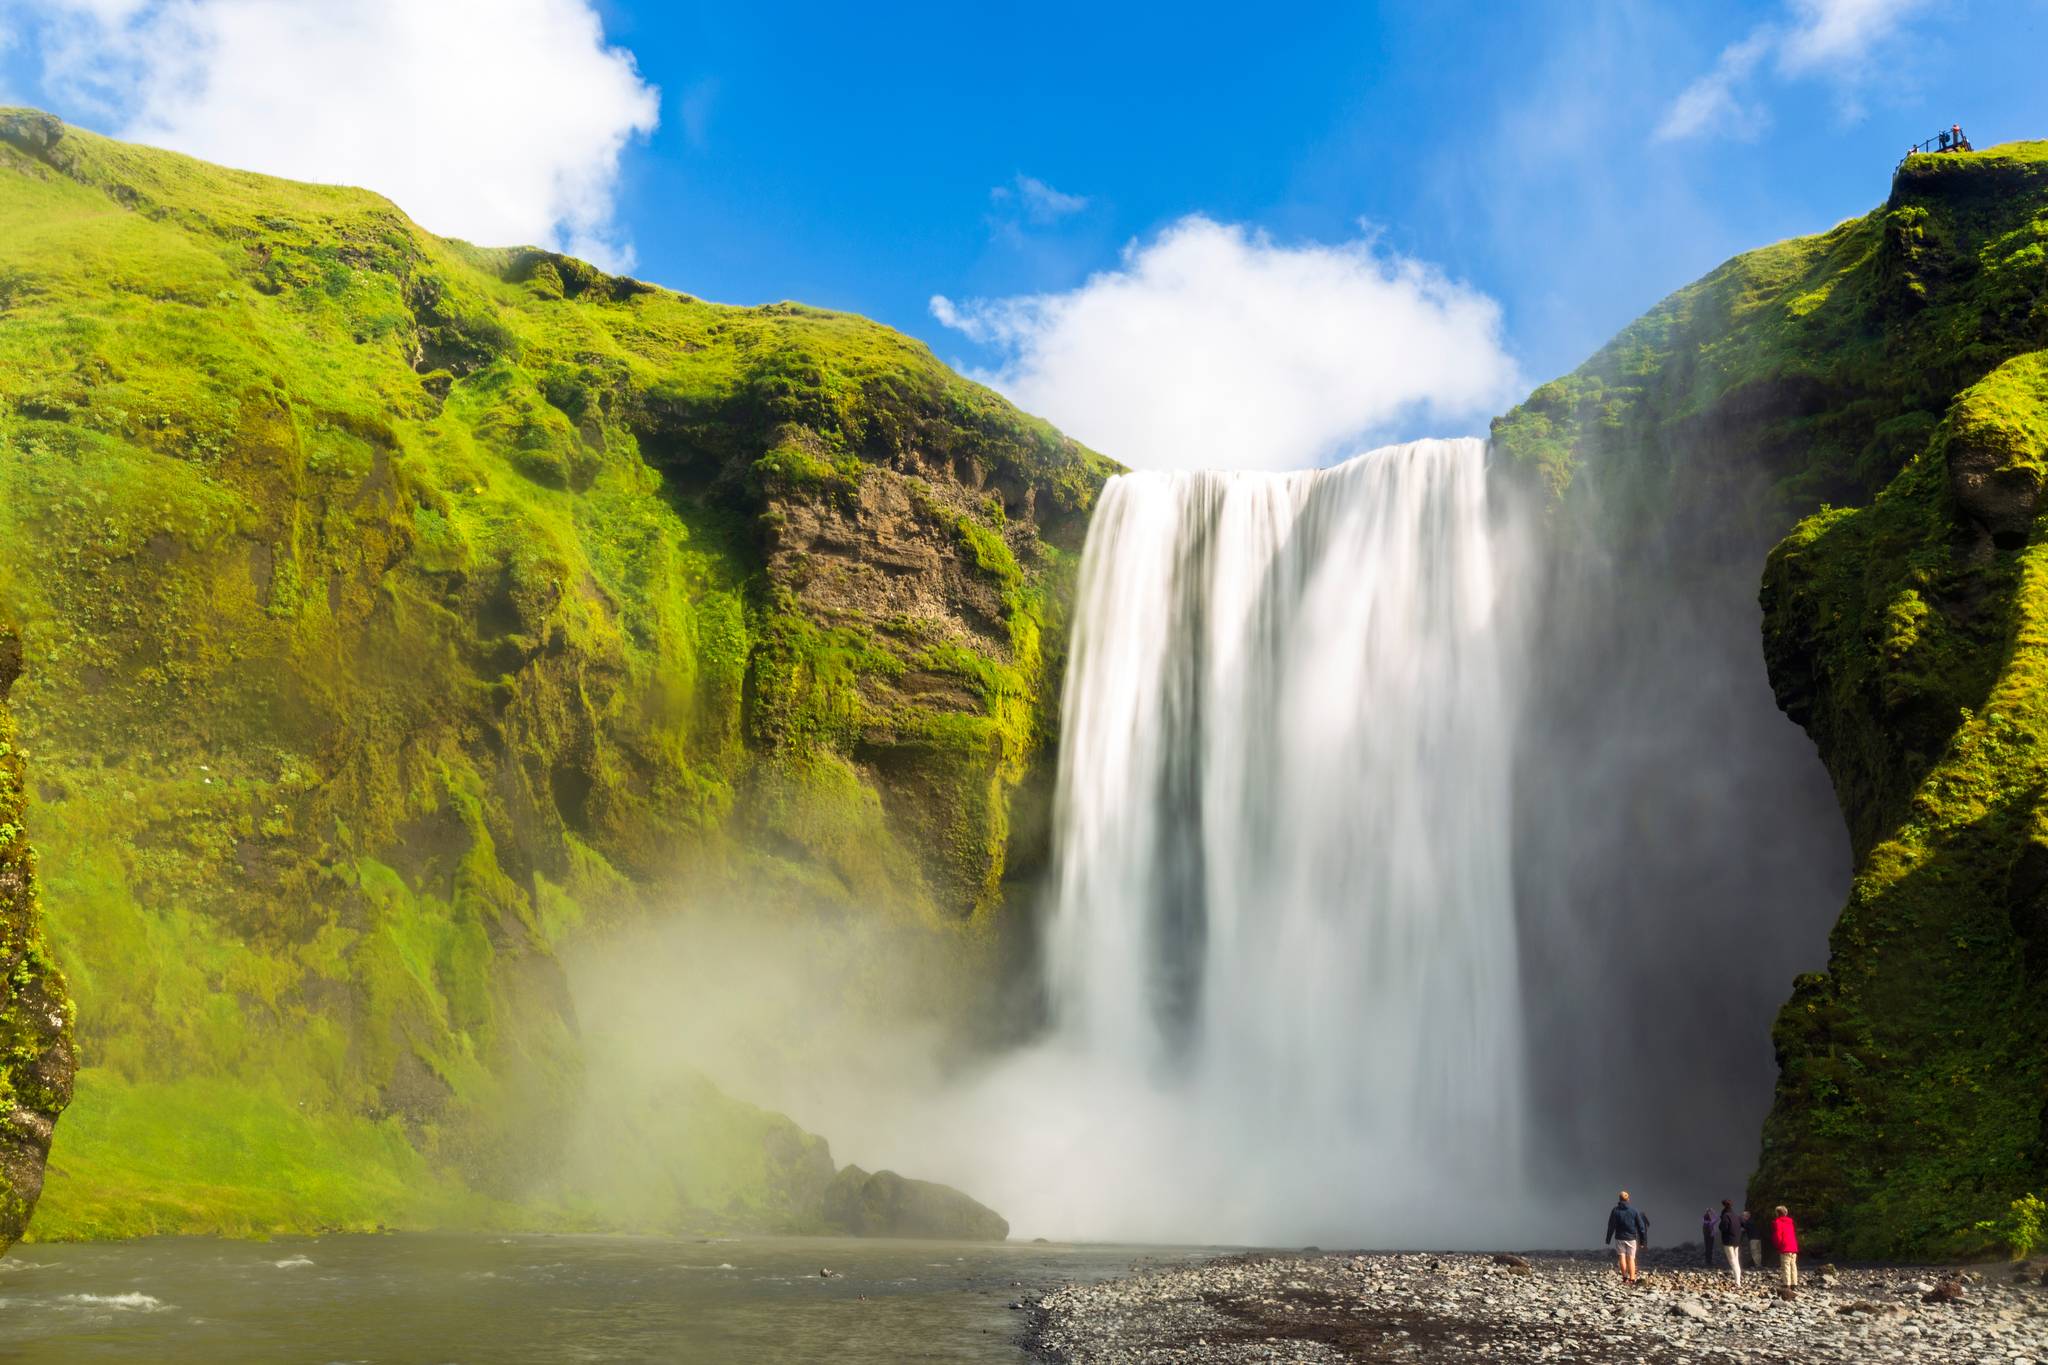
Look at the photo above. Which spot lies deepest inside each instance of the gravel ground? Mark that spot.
(1449, 1309)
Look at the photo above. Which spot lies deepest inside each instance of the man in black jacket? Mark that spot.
(1731, 1239)
(1628, 1228)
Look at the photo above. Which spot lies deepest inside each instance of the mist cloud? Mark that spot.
(1214, 346)
(501, 121)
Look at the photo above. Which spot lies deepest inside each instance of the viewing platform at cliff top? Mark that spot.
(2008, 163)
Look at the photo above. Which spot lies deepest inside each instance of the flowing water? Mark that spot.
(476, 1298)
(1281, 958)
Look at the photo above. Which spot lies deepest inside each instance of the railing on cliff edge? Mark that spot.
(1934, 145)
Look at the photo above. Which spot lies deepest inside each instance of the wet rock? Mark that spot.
(885, 1204)
(1870, 1309)
(1948, 1291)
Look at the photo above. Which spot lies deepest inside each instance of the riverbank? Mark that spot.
(1450, 1309)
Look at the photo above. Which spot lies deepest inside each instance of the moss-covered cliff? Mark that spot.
(36, 1057)
(1888, 382)
(402, 609)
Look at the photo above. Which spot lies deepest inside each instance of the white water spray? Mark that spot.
(1281, 959)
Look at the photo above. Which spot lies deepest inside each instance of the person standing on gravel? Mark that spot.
(1628, 1228)
(1785, 1241)
(1707, 1239)
(1752, 1238)
(1731, 1239)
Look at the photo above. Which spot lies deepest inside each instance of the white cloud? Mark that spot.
(1836, 40)
(1712, 102)
(501, 121)
(1836, 37)
(1041, 202)
(1213, 346)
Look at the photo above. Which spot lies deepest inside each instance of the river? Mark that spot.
(409, 1297)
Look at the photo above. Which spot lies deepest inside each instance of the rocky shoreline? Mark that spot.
(1561, 1307)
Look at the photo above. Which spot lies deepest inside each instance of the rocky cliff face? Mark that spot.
(36, 1058)
(403, 610)
(1886, 382)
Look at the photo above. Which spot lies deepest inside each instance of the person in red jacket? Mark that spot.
(1785, 1241)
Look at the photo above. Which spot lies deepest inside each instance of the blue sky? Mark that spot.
(1567, 163)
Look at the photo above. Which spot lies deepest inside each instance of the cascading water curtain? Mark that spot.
(1282, 942)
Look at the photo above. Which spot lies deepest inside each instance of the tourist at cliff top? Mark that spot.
(1707, 1239)
(1731, 1239)
(1628, 1228)
(1785, 1241)
(1752, 1238)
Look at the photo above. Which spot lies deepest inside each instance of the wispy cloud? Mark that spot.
(1833, 40)
(1215, 346)
(695, 109)
(1040, 202)
(1715, 101)
(498, 120)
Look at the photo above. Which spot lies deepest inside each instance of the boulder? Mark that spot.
(885, 1204)
(1948, 1291)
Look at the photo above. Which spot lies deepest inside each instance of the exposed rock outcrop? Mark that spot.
(36, 1056)
(885, 1204)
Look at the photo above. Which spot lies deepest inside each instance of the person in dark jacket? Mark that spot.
(1707, 1239)
(1628, 1228)
(1753, 1240)
(1731, 1239)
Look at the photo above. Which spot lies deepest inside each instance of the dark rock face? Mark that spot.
(36, 1056)
(885, 1204)
(1994, 472)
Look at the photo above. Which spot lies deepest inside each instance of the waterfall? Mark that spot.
(1280, 956)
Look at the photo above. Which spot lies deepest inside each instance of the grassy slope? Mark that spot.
(400, 609)
(1895, 365)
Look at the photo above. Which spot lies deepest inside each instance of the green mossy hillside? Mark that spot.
(401, 610)
(1888, 383)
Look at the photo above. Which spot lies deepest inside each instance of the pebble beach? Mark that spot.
(1551, 1307)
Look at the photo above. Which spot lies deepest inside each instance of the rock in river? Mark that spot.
(885, 1204)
